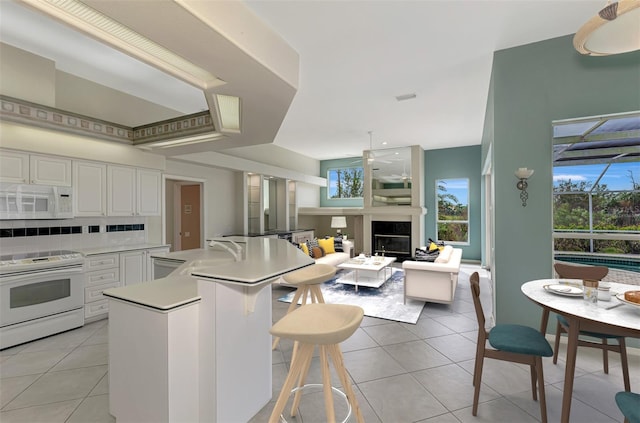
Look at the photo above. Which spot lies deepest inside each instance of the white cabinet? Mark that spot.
(36, 169)
(14, 167)
(133, 192)
(137, 266)
(102, 272)
(89, 188)
(46, 170)
(121, 191)
(133, 267)
(148, 184)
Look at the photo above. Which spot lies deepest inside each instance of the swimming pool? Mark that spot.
(631, 264)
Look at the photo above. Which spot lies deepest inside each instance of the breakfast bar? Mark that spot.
(195, 346)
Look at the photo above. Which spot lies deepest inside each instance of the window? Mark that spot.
(594, 200)
(345, 183)
(596, 184)
(452, 210)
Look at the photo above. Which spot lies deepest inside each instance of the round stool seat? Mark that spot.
(310, 275)
(319, 323)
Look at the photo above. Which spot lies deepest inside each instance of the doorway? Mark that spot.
(183, 211)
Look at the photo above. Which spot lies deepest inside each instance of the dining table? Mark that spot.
(564, 297)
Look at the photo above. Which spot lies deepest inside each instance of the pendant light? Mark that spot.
(614, 30)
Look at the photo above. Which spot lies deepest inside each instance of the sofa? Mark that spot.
(337, 258)
(433, 282)
(333, 259)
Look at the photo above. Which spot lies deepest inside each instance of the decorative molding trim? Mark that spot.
(21, 111)
(193, 124)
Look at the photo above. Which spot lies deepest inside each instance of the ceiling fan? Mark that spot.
(370, 155)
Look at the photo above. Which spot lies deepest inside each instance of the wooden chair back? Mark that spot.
(474, 281)
(570, 271)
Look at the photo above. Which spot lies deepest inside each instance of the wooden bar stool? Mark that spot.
(325, 325)
(308, 280)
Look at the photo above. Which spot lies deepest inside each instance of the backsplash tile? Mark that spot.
(65, 230)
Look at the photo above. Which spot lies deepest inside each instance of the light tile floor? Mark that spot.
(401, 373)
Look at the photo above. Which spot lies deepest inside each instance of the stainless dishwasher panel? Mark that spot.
(163, 267)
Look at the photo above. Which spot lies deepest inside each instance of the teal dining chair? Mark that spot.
(601, 339)
(629, 404)
(514, 343)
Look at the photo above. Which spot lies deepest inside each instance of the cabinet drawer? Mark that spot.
(102, 276)
(96, 308)
(94, 293)
(102, 261)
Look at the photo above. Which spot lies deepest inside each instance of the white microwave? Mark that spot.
(20, 201)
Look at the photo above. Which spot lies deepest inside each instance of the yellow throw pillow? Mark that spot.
(433, 246)
(327, 245)
(304, 248)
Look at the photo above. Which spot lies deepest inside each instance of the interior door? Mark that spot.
(190, 217)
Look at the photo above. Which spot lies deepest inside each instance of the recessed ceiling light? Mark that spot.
(406, 97)
(384, 143)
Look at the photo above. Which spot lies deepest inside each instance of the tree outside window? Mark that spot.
(452, 210)
(345, 183)
(597, 199)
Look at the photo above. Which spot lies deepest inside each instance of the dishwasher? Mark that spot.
(163, 267)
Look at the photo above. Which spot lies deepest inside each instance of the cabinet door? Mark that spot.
(90, 189)
(14, 167)
(46, 170)
(121, 191)
(133, 267)
(149, 182)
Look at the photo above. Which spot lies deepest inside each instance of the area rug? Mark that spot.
(386, 302)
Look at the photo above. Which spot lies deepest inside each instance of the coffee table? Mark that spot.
(370, 272)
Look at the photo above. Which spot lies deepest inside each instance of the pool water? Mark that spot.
(622, 263)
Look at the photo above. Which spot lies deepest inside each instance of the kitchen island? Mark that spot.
(195, 346)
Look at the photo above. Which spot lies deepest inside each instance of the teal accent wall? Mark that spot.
(531, 86)
(448, 163)
(325, 165)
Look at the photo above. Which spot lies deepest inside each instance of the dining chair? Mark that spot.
(629, 404)
(514, 343)
(595, 273)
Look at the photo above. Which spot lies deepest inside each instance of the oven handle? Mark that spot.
(28, 275)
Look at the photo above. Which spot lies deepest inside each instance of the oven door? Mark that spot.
(30, 295)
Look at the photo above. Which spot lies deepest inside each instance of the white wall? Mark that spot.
(221, 193)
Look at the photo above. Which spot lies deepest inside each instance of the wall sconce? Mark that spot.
(523, 174)
(339, 223)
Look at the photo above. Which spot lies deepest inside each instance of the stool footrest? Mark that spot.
(336, 390)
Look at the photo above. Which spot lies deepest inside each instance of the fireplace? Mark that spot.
(391, 239)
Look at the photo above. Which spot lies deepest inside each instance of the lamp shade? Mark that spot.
(338, 222)
(524, 173)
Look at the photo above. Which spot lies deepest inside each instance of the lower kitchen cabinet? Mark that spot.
(102, 272)
(137, 266)
(111, 270)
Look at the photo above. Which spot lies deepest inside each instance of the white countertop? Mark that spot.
(118, 248)
(262, 259)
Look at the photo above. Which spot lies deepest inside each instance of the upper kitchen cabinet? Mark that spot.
(90, 189)
(148, 183)
(133, 192)
(14, 167)
(24, 168)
